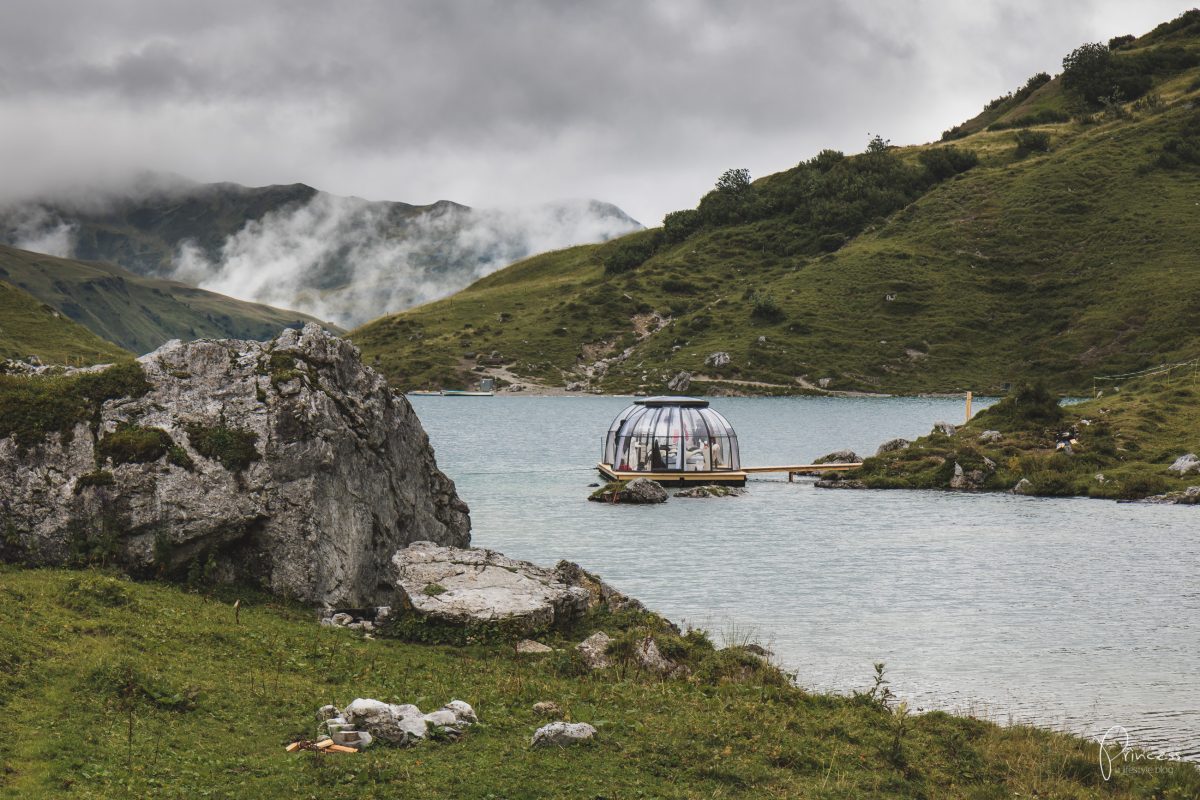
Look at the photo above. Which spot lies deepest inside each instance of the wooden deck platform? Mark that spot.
(722, 478)
(726, 477)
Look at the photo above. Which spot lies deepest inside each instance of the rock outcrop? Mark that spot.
(639, 490)
(1188, 497)
(287, 463)
(711, 491)
(839, 457)
(475, 588)
(892, 445)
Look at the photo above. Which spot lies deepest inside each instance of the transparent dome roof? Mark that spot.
(671, 434)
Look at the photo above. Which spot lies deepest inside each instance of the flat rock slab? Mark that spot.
(468, 585)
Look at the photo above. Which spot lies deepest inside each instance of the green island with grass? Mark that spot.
(1051, 238)
(1121, 445)
(124, 689)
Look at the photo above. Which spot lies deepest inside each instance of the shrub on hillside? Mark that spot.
(1032, 142)
(1183, 148)
(626, 256)
(764, 306)
(1117, 42)
(946, 162)
(1091, 74)
(1027, 406)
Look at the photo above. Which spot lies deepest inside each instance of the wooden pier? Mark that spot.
(793, 470)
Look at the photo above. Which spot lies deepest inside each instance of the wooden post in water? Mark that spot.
(969, 396)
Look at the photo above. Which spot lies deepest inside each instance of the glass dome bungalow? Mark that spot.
(672, 440)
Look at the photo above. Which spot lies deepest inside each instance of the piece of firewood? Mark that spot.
(321, 745)
(337, 748)
(293, 747)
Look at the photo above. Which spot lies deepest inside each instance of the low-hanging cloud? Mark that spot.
(33, 227)
(348, 260)
(498, 104)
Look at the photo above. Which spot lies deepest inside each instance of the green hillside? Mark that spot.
(1069, 249)
(117, 689)
(135, 312)
(32, 328)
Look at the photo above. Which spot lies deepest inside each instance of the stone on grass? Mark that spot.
(718, 359)
(547, 708)
(594, 650)
(990, 436)
(562, 734)
(530, 647)
(1023, 487)
(1185, 464)
(402, 724)
(944, 428)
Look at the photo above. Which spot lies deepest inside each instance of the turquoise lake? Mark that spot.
(1069, 613)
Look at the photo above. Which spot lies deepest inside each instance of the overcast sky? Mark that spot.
(637, 102)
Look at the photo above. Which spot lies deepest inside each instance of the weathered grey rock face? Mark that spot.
(475, 586)
(291, 464)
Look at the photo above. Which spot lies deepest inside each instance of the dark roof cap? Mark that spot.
(685, 402)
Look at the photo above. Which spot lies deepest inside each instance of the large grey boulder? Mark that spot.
(680, 382)
(469, 586)
(291, 464)
(1185, 464)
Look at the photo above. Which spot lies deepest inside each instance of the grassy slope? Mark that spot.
(29, 327)
(137, 313)
(213, 704)
(1130, 438)
(1055, 266)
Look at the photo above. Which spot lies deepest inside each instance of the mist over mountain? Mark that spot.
(344, 259)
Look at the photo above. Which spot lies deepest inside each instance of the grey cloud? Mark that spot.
(500, 103)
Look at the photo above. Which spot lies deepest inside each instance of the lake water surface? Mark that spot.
(1071, 613)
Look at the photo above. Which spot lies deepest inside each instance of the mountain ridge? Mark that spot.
(134, 312)
(293, 246)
